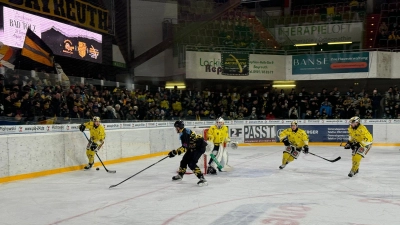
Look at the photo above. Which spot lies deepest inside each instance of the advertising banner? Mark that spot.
(346, 62)
(63, 40)
(319, 33)
(236, 134)
(259, 133)
(209, 65)
(324, 133)
(235, 64)
(79, 12)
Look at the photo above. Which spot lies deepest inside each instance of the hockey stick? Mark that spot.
(138, 172)
(337, 159)
(108, 171)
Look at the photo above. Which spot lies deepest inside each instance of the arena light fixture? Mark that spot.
(283, 85)
(340, 43)
(177, 86)
(310, 44)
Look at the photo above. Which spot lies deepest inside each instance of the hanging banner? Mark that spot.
(319, 33)
(75, 11)
(235, 64)
(346, 62)
(209, 65)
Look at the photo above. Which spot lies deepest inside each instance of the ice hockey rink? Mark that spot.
(308, 191)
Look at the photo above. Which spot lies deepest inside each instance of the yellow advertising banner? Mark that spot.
(76, 11)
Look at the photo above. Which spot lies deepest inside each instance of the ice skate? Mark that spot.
(88, 166)
(211, 170)
(202, 182)
(282, 166)
(351, 174)
(177, 177)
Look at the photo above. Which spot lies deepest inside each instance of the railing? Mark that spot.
(42, 79)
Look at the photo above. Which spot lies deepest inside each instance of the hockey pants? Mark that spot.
(190, 160)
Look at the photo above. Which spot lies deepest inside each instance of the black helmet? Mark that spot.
(179, 123)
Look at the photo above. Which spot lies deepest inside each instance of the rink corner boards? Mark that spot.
(74, 168)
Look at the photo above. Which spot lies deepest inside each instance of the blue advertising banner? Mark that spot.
(346, 62)
(324, 133)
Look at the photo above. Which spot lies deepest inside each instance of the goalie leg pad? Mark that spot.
(214, 152)
(224, 156)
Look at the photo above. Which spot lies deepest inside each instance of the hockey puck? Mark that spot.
(97, 168)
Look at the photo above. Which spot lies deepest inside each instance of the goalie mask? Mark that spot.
(354, 122)
(220, 122)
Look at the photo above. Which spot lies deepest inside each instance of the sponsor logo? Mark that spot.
(139, 125)
(257, 121)
(236, 132)
(114, 125)
(209, 122)
(238, 122)
(377, 121)
(198, 123)
(151, 124)
(82, 49)
(57, 127)
(259, 133)
(162, 124)
(275, 121)
(8, 128)
(68, 47)
(126, 125)
(94, 53)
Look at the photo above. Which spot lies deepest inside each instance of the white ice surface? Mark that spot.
(308, 191)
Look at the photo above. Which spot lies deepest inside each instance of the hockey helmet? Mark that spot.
(96, 119)
(354, 119)
(179, 124)
(220, 122)
(294, 122)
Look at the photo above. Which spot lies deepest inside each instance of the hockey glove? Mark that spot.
(286, 141)
(93, 146)
(82, 127)
(234, 145)
(172, 153)
(348, 145)
(305, 149)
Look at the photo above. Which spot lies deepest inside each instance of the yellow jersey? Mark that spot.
(360, 135)
(97, 134)
(218, 135)
(298, 138)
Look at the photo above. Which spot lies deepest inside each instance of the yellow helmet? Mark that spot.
(96, 118)
(294, 122)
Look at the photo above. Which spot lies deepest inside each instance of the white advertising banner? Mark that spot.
(207, 65)
(319, 33)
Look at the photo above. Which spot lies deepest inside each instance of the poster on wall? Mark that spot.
(235, 64)
(328, 63)
(63, 40)
(208, 65)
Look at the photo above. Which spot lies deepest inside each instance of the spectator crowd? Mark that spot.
(28, 100)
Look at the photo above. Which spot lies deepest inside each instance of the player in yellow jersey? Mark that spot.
(295, 140)
(218, 135)
(97, 136)
(360, 141)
